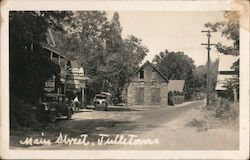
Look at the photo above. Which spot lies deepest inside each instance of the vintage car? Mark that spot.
(102, 100)
(53, 106)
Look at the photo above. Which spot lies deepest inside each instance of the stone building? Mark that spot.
(148, 86)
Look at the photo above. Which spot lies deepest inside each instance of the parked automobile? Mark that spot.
(53, 106)
(102, 100)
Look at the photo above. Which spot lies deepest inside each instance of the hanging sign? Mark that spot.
(50, 85)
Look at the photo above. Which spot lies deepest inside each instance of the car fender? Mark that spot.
(70, 109)
(52, 110)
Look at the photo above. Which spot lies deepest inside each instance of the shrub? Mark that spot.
(223, 109)
(22, 114)
(200, 124)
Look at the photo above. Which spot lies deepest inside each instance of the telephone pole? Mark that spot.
(208, 44)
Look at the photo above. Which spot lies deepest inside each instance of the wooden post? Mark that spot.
(208, 44)
(235, 96)
(51, 55)
(83, 97)
(59, 59)
(173, 96)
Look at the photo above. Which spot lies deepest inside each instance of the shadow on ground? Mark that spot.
(116, 109)
(74, 128)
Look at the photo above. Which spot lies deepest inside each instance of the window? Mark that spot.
(154, 75)
(141, 74)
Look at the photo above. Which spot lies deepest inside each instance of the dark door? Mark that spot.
(140, 96)
(155, 96)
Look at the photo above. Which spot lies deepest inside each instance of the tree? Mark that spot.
(85, 42)
(174, 65)
(132, 53)
(97, 44)
(122, 58)
(28, 68)
(200, 76)
(229, 29)
(177, 66)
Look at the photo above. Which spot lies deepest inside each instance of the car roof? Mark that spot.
(54, 95)
(103, 95)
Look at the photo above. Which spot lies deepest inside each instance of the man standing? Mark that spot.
(76, 101)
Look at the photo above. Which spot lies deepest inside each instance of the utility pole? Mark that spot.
(208, 44)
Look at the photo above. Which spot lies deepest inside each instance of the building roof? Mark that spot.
(146, 64)
(53, 50)
(50, 39)
(226, 62)
(176, 85)
(50, 43)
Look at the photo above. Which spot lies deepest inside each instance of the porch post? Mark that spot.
(235, 95)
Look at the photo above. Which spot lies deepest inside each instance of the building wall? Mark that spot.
(148, 72)
(148, 83)
(63, 64)
(148, 87)
(164, 94)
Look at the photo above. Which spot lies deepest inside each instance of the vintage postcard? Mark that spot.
(124, 79)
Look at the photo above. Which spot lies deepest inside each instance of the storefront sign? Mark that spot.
(76, 78)
(50, 85)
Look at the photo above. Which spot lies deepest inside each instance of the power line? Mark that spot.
(208, 44)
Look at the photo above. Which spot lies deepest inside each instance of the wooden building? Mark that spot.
(72, 80)
(55, 84)
(175, 94)
(225, 76)
(76, 82)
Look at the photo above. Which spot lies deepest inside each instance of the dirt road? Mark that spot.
(118, 128)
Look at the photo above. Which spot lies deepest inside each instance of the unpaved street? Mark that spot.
(143, 123)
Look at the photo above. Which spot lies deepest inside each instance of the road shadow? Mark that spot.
(116, 109)
(74, 128)
(79, 111)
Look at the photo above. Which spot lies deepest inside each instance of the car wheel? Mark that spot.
(69, 116)
(52, 117)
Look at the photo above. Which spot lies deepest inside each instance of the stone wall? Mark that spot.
(164, 94)
(131, 97)
(147, 93)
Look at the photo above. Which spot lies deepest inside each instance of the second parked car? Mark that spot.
(101, 100)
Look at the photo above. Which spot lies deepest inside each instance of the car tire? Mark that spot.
(52, 117)
(69, 116)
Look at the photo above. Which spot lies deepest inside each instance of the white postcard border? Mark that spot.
(121, 154)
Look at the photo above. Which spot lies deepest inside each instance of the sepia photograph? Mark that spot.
(124, 80)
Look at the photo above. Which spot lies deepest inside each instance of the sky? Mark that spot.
(173, 30)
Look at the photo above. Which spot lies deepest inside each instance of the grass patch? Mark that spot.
(198, 123)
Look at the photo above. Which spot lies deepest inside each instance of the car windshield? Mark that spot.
(50, 99)
(100, 97)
